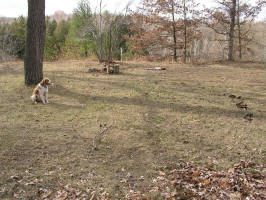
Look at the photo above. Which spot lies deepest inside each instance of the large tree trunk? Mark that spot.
(231, 32)
(33, 62)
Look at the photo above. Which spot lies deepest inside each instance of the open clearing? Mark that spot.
(157, 118)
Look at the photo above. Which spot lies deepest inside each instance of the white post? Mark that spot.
(121, 54)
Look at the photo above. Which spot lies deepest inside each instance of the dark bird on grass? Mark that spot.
(248, 117)
(242, 105)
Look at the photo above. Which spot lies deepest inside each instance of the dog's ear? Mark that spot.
(48, 81)
(44, 81)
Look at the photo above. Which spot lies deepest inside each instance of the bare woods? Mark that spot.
(182, 30)
(175, 30)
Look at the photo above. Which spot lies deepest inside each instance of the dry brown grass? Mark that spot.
(157, 119)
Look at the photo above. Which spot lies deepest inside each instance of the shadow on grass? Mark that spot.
(148, 103)
(139, 65)
(62, 106)
(11, 70)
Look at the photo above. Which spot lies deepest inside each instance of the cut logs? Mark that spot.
(112, 69)
(107, 68)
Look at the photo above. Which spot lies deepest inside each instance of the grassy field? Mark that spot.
(155, 118)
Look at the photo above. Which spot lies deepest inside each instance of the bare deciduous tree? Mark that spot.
(33, 62)
(222, 20)
(246, 14)
(167, 24)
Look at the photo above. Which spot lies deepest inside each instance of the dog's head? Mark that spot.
(46, 82)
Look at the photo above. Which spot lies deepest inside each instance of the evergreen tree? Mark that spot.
(18, 36)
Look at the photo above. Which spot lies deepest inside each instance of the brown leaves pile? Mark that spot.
(182, 180)
(246, 180)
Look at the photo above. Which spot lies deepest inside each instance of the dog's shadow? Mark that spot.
(62, 91)
(69, 94)
(62, 106)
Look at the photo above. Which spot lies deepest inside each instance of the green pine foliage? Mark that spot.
(13, 37)
(51, 51)
(80, 36)
(18, 30)
(56, 35)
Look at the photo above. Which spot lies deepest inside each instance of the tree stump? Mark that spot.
(109, 69)
(116, 69)
(113, 69)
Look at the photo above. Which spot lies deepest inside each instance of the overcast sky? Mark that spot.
(15, 8)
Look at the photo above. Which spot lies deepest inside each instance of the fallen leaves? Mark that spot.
(196, 173)
(246, 180)
(43, 193)
(186, 180)
(161, 173)
(15, 177)
(206, 182)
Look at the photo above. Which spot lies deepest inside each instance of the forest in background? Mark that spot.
(155, 31)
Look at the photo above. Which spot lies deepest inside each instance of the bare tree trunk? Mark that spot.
(239, 31)
(110, 56)
(33, 62)
(100, 30)
(231, 32)
(185, 31)
(264, 48)
(174, 31)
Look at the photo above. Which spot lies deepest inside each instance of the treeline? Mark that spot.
(158, 30)
(12, 37)
(86, 33)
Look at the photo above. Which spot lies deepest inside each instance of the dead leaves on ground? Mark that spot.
(245, 180)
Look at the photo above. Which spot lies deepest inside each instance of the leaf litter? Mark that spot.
(186, 180)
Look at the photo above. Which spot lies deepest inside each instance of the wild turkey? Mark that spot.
(248, 117)
(241, 105)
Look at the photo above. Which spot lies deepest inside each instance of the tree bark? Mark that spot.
(110, 53)
(33, 62)
(100, 32)
(239, 31)
(185, 31)
(174, 31)
(231, 32)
